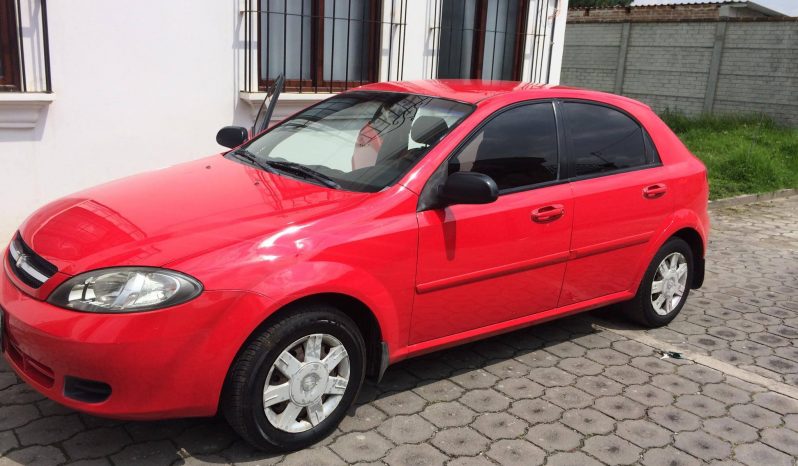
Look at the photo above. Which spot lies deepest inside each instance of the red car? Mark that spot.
(385, 222)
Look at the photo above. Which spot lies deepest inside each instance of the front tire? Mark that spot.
(293, 382)
(665, 286)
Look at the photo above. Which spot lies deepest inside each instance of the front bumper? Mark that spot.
(159, 364)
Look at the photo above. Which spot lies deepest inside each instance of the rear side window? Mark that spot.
(516, 148)
(603, 139)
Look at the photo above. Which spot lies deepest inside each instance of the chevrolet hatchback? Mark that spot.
(385, 222)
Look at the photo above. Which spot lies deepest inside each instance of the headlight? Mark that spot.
(125, 289)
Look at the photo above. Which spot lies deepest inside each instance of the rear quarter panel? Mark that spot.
(688, 186)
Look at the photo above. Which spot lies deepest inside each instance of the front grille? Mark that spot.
(29, 267)
(37, 371)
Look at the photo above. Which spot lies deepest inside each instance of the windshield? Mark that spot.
(358, 141)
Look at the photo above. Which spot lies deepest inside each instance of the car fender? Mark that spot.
(255, 307)
(391, 310)
(678, 220)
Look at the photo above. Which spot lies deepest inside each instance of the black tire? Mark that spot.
(640, 309)
(242, 398)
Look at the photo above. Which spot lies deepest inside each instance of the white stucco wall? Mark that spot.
(137, 86)
(143, 85)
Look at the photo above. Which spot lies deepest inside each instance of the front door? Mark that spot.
(480, 265)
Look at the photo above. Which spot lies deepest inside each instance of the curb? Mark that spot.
(750, 198)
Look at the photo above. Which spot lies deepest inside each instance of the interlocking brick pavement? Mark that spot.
(577, 391)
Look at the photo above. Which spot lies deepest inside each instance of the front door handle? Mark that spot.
(548, 213)
(654, 191)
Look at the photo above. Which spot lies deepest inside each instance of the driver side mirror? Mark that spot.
(232, 136)
(468, 188)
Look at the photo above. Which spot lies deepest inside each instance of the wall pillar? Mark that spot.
(714, 66)
(620, 70)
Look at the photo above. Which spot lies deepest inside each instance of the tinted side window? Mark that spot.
(603, 139)
(516, 148)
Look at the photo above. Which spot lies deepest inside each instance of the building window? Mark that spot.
(9, 52)
(319, 45)
(482, 39)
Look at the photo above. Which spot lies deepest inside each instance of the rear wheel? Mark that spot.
(665, 285)
(293, 383)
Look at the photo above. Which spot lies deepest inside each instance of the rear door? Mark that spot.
(621, 199)
(480, 265)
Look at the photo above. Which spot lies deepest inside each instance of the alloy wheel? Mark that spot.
(306, 383)
(669, 284)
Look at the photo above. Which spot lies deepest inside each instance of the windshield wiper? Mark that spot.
(304, 171)
(252, 158)
(285, 166)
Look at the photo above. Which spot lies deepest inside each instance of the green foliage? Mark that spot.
(744, 154)
(598, 3)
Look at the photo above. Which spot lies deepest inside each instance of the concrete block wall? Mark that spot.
(691, 11)
(759, 70)
(738, 66)
(591, 55)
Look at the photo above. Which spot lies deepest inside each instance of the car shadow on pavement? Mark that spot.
(460, 381)
(454, 379)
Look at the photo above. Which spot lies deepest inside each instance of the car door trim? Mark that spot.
(480, 333)
(492, 272)
(611, 245)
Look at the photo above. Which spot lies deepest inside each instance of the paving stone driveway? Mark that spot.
(580, 391)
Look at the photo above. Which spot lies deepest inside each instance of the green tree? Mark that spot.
(598, 3)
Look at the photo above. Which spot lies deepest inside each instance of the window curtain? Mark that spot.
(458, 22)
(346, 40)
(461, 21)
(500, 39)
(287, 35)
(286, 31)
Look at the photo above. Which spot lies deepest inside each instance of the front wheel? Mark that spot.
(293, 383)
(665, 285)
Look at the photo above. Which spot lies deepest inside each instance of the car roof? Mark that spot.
(475, 90)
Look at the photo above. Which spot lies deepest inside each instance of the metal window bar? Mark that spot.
(390, 42)
(495, 38)
(437, 38)
(348, 29)
(402, 37)
(542, 39)
(23, 85)
(535, 37)
(551, 39)
(301, 44)
(363, 41)
(41, 80)
(247, 58)
(335, 45)
(541, 33)
(332, 48)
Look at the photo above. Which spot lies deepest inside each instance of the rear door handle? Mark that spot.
(548, 213)
(655, 190)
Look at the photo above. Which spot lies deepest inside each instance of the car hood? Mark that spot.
(158, 217)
